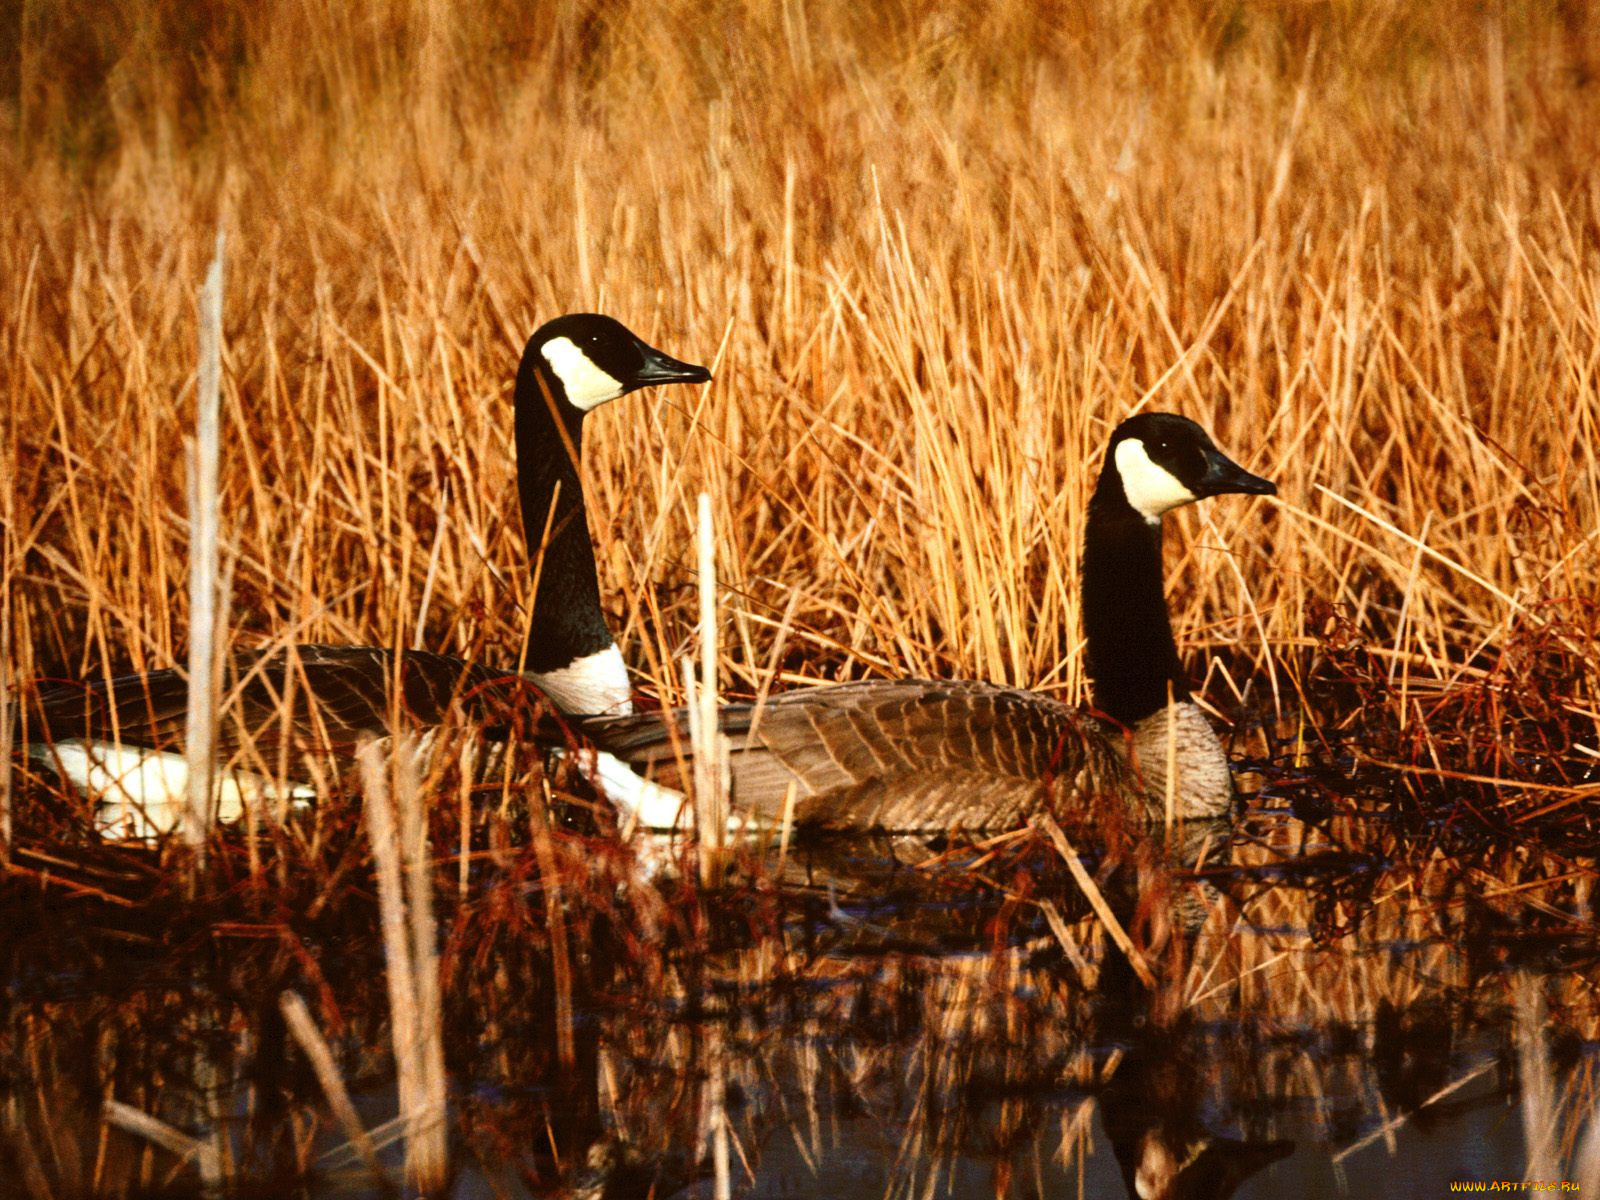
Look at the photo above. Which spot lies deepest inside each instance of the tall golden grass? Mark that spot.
(935, 255)
(935, 252)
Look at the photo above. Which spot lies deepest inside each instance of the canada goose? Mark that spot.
(925, 756)
(121, 739)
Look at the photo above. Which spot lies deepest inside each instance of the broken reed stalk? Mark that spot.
(425, 966)
(1387, 1130)
(400, 860)
(200, 730)
(159, 1133)
(1097, 900)
(315, 1047)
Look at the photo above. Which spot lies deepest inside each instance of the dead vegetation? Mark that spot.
(935, 253)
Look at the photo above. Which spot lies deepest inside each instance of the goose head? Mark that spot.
(1155, 462)
(1162, 461)
(587, 359)
(571, 366)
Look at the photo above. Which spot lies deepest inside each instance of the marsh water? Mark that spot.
(1378, 1002)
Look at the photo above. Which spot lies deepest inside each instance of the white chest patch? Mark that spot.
(589, 686)
(1149, 487)
(1179, 736)
(586, 385)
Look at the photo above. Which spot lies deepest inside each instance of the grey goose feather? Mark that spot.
(906, 755)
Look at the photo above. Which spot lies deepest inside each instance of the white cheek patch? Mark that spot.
(1149, 487)
(588, 686)
(586, 385)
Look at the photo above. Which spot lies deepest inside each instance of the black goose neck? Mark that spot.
(1132, 658)
(567, 622)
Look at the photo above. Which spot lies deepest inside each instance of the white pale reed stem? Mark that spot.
(710, 766)
(426, 1146)
(398, 838)
(711, 813)
(384, 834)
(5, 728)
(200, 732)
(207, 609)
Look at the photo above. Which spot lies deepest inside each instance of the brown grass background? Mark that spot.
(935, 252)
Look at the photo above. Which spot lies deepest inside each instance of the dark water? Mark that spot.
(875, 1032)
(1472, 1145)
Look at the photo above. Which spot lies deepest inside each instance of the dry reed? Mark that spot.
(207, 605)
(401, 862)
(939, 286)
(938, 252)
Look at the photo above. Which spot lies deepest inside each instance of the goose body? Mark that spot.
(120, 740)
(909, 755)
(923, 756)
